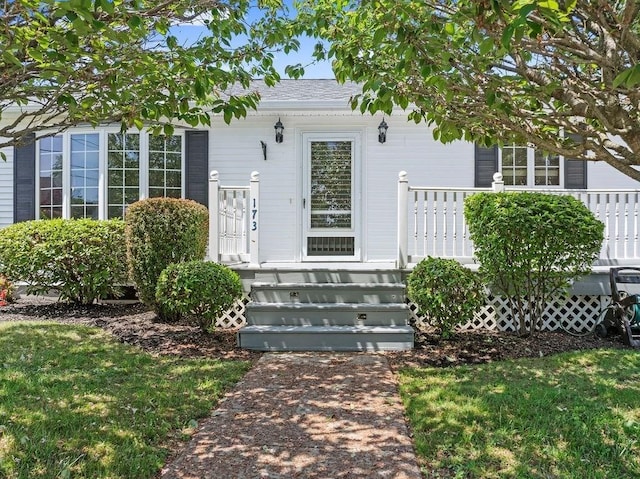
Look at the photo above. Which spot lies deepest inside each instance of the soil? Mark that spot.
(134, 324)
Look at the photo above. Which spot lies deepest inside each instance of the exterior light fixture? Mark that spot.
(382, 131)
(279, 127)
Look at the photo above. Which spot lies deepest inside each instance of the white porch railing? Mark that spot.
(234, 221)
(431, 220)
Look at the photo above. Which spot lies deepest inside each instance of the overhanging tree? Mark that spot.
(64, 63)
(562, 75)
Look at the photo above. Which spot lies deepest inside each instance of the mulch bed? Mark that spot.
(134, 324)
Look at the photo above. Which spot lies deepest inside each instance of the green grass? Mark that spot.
(76, 404)
(573, 415)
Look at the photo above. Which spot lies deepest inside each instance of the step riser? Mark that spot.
(321, 296)
(325, 342)
(320, 318)
(282, 276)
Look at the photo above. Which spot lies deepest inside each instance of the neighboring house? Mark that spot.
(328, 194)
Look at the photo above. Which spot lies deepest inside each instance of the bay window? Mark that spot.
(97, 174)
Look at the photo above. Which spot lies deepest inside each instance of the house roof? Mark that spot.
(303, 93)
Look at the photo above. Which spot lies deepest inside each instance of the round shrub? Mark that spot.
(447, 292)
(531, 246)
(81, 259)
(159, 232)
(200, 290)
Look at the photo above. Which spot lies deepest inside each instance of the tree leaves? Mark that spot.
(528, 71)
(93, 61)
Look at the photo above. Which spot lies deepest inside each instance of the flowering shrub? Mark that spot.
(6, 290)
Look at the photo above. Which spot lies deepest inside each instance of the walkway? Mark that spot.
(308, 416)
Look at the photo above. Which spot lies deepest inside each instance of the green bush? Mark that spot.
(445, 291)
(200, 290)
(81, 259)
(159, 232)
(530, 246)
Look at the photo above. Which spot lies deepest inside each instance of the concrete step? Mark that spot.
(326, 314)
(326, 338)
(328, 276)
(371, 293)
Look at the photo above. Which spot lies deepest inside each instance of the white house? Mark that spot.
(326, 193)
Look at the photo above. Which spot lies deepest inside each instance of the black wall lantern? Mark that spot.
(382, 131)
(279, 127)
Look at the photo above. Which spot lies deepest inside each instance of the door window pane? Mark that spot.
(331, 181)
(50, 154)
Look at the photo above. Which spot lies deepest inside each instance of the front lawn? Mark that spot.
(574, 415)
(76, 404)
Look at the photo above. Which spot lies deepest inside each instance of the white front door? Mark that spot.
(330, 197)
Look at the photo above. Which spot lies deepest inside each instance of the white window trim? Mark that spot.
(103, 167)
(531, 170)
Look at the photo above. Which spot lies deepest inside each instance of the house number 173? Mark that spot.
(254, 215)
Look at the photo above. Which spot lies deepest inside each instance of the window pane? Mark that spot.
(173, 179)
(115, 212)
(124, 174)
(507, 157)
(156, 160)
(131, 195)
(115, 159)
(115, 196)
(84, 175)
(165, 166)
(50, 175)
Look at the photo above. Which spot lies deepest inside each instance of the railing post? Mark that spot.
(498, 183)
(403, 225)
(214, 215)
(254, 219)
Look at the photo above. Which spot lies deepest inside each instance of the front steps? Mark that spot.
(330, 310)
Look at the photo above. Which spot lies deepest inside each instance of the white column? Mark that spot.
(403, 225)
(214, 215)
(498, 183)
(254, 220)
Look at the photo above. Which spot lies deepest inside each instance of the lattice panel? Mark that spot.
(576, 313)
(234, 318)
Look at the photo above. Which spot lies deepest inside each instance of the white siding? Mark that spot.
(235, 151)
(602, 176)
(6, 188)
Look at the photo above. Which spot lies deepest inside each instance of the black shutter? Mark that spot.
(575, 171)
(24, 181)
(486, 164)
(197, 166)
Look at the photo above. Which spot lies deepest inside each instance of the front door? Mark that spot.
(330, 205)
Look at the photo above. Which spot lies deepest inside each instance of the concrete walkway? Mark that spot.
(304, 415)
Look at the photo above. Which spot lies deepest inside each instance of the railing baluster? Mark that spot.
(626, 225)
(616, 225)
(425, 226)
(415, 223)
(635, 225)
(444, 224)
(454, 233)
(435, 223)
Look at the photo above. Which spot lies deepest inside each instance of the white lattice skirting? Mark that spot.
(576, 313)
